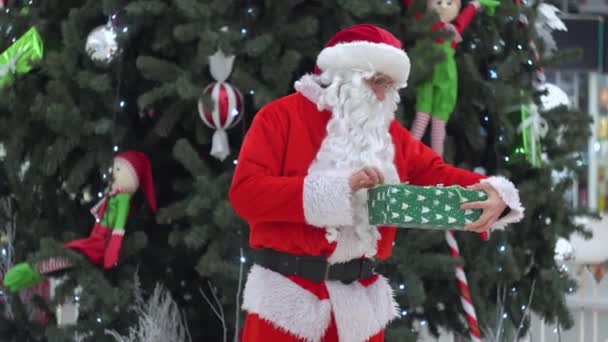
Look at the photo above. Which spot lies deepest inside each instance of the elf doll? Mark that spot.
(436, 98)
(131, 171)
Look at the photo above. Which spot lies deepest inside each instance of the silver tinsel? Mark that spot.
(102, 45)
(160, 319)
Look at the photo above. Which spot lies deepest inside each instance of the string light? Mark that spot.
(235, 162)
(505, 316)
(507, 159)
(422, 323)
(502, 248)
(243, 31)
(513, 289)
(523, 307)
(251, 92)
(76, 298)
(98, 319)
(243, 259)
(4, 252)
(403, 313)
(122, 104)
(115, 148)
(100, 194)
(493, 74)
(402, 287)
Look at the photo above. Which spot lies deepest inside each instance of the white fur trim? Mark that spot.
(362, 312)
(510, 195)
(118, 232)
(288, 306)
(363, 55)
(327, 201)
(308, 86)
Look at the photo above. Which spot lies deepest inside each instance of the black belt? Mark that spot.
(314, 268)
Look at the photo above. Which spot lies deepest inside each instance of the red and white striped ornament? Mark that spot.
(226, 112)
(227, 104)
(463, 285)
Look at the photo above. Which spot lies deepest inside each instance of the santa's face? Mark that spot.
(446, 9)
(380, 84)
(124, 178)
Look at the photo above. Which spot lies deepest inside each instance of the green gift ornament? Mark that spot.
(20, 56)
(426, 207)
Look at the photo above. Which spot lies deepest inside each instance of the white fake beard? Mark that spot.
(357, 136)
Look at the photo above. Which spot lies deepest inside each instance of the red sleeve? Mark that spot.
(465, 18)
(259, 193)
(425, 167)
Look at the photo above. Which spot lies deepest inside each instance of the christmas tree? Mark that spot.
(116, 77)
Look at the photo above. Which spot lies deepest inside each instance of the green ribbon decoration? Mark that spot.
(19, 57)
(533, 128)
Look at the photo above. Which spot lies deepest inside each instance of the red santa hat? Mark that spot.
(366, 47)
(138, 165)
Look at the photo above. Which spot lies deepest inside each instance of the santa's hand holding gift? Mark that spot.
(301, 182)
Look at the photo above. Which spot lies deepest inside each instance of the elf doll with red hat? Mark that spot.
(436, 98)
(131, 171)
(301, 183)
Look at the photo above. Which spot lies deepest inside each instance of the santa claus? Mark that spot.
(301, 183)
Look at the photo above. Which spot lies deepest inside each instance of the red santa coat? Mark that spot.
(269, 190)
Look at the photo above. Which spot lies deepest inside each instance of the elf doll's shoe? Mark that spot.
(22, 276)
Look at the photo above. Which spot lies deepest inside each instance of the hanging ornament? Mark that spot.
(553, 98)
(563, 250)
(591, 251)
(67, 311)
(227, 104)
(102, 44)
(598, 271)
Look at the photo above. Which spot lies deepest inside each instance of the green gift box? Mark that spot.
(20, 56)
(427, 207)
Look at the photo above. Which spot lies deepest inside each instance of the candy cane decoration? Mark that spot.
(463, 285)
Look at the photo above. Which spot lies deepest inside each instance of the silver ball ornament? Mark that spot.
(102, 45)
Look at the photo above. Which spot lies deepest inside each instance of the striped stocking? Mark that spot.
(438, 136)
(419, 126)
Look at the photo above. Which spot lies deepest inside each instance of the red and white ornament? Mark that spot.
(227, 104)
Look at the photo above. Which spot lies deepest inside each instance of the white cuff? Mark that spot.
(510, 195)
(327, 201)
